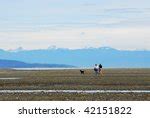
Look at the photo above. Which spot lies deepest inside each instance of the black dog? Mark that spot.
(82, 71)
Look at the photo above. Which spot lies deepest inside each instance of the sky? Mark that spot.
(74, 24)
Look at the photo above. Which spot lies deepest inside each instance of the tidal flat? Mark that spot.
(65, 79)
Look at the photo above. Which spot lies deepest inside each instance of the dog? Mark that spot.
(82, 71)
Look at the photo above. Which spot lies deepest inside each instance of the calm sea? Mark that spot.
(49, 68)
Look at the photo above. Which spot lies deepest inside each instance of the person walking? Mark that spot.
(100, 69)
(96, 68)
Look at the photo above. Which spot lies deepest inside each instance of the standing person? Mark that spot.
(96, 69)
(100, 69)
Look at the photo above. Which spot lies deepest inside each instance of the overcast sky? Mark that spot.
(39, 24)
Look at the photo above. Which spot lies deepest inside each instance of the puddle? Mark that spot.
(75, 91)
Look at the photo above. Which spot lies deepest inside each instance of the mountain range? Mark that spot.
(108, 57)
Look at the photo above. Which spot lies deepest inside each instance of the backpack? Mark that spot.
(95, 69)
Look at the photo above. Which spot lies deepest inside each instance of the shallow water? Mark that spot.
(44, 68)
(75, 91)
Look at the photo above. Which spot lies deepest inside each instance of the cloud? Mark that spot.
(124, 10)
(74, 24)
(89, 4)
(120, 38)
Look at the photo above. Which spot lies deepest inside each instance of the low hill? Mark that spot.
(20, 64)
